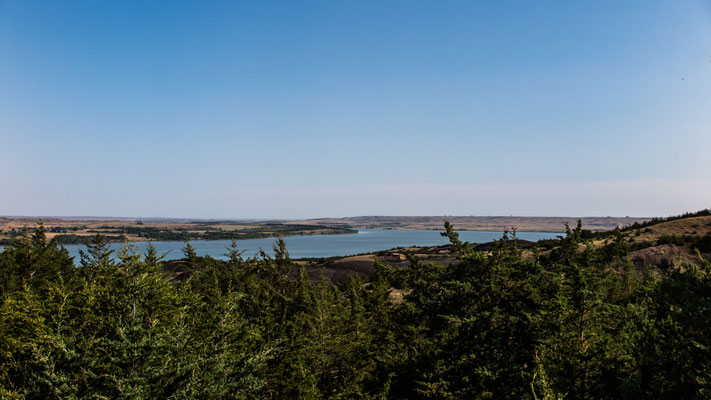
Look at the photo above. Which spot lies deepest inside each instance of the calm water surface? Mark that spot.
(365, 241)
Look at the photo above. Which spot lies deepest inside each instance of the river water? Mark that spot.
(365, 241)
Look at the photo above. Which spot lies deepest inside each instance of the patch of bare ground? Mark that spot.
(177, 270)
(655, 255)
(397, 295)
(341, 269)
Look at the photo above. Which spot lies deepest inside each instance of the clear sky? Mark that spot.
(271, 109)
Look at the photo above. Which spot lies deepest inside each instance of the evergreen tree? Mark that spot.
(571, 319)
(98, 253)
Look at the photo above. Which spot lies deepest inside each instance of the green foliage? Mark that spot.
(564, 320)
(98, 253)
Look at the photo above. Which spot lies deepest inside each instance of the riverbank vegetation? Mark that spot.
(81, 231)
(577, 319)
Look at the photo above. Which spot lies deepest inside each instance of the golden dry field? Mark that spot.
(476, 223)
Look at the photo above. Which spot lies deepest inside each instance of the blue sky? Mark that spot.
(338, 108)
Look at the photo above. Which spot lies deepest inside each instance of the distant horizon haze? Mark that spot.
(617, 199)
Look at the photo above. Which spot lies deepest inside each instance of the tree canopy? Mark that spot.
(575, 321)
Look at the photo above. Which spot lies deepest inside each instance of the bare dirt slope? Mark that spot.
(683, 231)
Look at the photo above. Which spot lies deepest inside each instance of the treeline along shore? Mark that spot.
(585, 316)
(80, 231)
